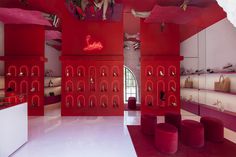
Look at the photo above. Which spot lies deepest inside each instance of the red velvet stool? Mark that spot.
(166, 138)
(192, 133)
(148, 123)
(132, 103)
(214, 129)
(173, 118)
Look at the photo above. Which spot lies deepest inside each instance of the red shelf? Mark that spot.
(23, 58)
(156, 72)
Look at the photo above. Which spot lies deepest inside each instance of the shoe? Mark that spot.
(97, 5)
(133, 12)
(229, 65)
(104, 18)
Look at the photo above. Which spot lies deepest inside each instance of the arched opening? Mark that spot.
(130, 85)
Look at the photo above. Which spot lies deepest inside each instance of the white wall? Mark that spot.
(53, 62)
(1, 48)
(212, 48)
(221, 44)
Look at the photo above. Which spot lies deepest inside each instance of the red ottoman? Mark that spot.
(192, 133)
(214, 129)
(173, 118)
(132, 103)
(148, 123)
(166, 138)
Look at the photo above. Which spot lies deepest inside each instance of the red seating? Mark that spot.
(148, 123)
(214, 129)
(166, 138)
(132, 103)
(173, 118)
(192, 133)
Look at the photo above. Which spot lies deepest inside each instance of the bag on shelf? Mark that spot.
(51, 94)
(188, 83)
(223, 85)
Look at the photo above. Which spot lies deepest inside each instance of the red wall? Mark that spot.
(24, 40)
(155, 42)
(74, 33)
(131, 23)
(21, 41)
(210, 15)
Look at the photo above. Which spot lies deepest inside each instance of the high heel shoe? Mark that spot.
(97, 5)
(104, 17)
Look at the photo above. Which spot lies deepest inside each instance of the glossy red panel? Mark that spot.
(173, 14)
(27, 40)
(20, 16)
(154, 41)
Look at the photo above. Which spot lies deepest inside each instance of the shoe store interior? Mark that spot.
(162, 84)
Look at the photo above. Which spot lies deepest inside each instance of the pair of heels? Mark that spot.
(99, 6)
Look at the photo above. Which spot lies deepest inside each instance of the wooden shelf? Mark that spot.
(208, 90)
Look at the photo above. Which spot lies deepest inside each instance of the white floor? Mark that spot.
(56, 136)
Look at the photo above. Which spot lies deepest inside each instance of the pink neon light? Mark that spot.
(92, 45)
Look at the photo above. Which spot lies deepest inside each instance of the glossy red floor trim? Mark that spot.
(144, 146)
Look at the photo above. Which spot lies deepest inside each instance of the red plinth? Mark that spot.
(192, 133)
(166, 138)
(214, 129)
(132, 103)
(173, 118)
(148, 123)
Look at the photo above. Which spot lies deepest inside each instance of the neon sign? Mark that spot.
(92, 45)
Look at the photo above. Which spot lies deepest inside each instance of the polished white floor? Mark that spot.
(56, 136)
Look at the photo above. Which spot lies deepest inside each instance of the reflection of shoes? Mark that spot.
(98, 5)
(133, 12)
(229, 65)
(104, 18)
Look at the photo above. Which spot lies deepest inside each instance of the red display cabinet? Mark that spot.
(25, 75)
(160, 82)
(92, 86)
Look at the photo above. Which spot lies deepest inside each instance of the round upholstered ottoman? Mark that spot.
(148, 123)
(173, 118)
(192, 133)
(166, 138)
(132, 103)
(214, 129)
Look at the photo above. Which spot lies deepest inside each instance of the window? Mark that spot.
(130, 84)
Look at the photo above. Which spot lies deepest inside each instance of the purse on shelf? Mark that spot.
(188, 83)
(51, 94)
(223, 85)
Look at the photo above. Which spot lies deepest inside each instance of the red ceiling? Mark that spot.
(20, 16)
(197, 23)
(173, 14)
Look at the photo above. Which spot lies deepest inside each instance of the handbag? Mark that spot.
(188, 83)
(51, 94)
(223, 85)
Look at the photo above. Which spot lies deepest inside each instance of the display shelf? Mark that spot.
(226, 116)
(25, 76)
(160, 83)
(95, 86)
(57, 86)
(219, 73)
(208, 90)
